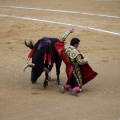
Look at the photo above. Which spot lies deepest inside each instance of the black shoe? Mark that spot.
(73, 92)
(62, 90)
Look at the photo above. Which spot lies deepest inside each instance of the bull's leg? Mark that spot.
(58, 65)
(45, 84)
(47, 77)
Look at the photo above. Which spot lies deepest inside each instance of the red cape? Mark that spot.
(86, 71)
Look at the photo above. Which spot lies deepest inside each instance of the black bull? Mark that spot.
(42, 47)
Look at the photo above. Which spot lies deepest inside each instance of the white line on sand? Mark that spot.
(62, 11)
(47, 21)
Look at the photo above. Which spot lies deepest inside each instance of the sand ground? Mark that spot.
(21, 100)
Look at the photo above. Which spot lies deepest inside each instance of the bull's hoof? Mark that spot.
(62, 90)
(45, 84)
(33, 82)
(57, 82)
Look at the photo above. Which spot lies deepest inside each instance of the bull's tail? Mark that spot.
(30, 44)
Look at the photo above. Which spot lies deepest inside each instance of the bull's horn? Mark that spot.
(28, 65)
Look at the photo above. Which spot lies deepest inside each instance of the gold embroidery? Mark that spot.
(72, 53)
(77, 76)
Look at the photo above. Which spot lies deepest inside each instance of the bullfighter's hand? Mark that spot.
(86, 59)
(71, 30)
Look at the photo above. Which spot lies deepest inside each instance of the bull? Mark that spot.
(44, 55)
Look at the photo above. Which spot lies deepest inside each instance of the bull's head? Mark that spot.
(36, 72)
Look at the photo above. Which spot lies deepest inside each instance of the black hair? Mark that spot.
(74, 41)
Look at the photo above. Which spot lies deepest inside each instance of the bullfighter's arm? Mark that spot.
(81, 61)
(75, 55)
(66, 34)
